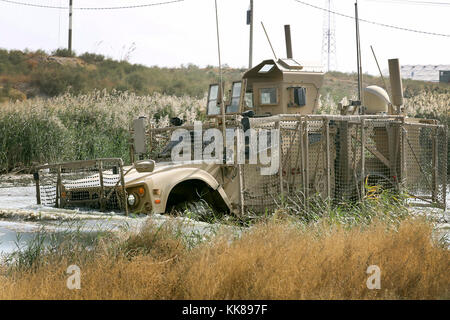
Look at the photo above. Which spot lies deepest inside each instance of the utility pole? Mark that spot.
(250, 22)
(70, 27)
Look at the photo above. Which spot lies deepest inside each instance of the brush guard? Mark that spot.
(97, 184)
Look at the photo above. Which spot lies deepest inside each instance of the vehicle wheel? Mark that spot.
(197, 210)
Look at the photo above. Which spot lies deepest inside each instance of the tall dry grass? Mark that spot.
(70, 127)
(78, 127)
(428, 102)
(433, 104)
(272, 260)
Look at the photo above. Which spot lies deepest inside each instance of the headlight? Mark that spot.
(131, 199)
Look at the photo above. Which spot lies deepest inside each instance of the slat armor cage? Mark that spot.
(336, 157)
(97, 184)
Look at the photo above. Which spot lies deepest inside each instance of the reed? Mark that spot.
(81, 127)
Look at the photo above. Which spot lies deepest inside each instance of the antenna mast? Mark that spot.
(358, 54)
(267, 36)
(379, 69)
(250, 22)
(220, 97)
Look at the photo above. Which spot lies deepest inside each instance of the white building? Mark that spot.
(423, 73)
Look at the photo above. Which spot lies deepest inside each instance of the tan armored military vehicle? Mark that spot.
(278, 149)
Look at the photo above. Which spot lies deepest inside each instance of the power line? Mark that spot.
(407, 2)
(375, 23)
(90, 8)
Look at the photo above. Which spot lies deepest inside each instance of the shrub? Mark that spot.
(92, 57)
(62, 52)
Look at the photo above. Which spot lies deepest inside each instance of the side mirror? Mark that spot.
(144, 165)
(214, 93)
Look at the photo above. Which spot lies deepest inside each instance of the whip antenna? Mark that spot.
(381, 74)
(220, 98)
(269, 41)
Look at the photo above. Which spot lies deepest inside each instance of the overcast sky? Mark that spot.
(185, 32)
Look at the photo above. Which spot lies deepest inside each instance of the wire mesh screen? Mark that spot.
(260, 191)
(95, 184)
(306, 155)
(382, 153)
(425, 156)
(337, 158)
(347, 165)
(319, 153)
(161, 143)
(368, 154)
(292, 166)
(333, 158)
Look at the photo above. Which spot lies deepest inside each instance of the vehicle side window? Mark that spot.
(235, 98)
(268, 96)
(249, 99)
(213, 95)
(299, 97)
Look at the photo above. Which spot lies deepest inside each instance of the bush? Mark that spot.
(92, 57)
(61, 52)
(56, 80)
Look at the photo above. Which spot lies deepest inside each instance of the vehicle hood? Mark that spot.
(133, 177)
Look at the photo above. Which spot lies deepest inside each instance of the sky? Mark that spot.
(185, 32)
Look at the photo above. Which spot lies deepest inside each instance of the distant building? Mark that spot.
(444, 76)
(434, 73)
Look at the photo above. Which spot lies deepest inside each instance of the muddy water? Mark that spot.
(9, 239)
(21, 219)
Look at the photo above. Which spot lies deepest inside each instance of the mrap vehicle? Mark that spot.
(334, 157)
